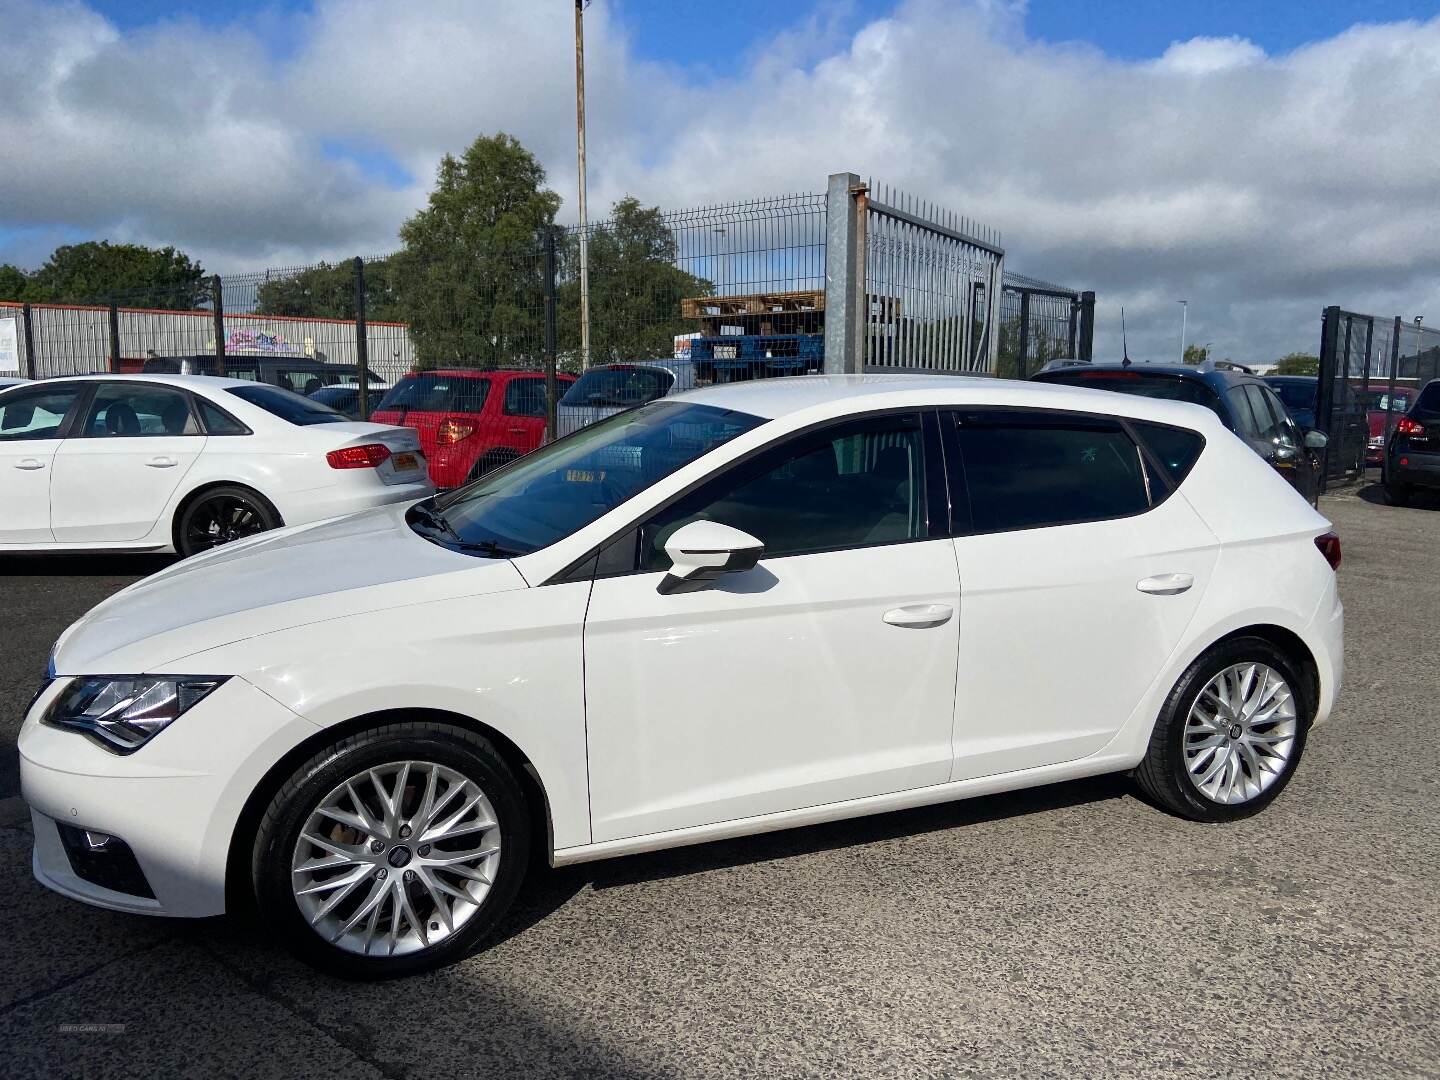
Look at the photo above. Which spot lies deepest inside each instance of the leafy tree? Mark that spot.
(327, 291)
(1297, 363)
(96, 272)
(635, 288)
(13, 282)
(1195, 354)
(1042, 347)
(471, 267)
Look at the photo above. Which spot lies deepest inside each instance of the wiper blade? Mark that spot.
(432, 517)
(489, 547)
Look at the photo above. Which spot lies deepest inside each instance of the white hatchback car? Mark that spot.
(739, 609)
(185, 463)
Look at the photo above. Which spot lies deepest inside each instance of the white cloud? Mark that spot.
(1260, 187)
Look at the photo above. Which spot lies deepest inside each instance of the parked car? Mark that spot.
(610, 388)
(1297, 393)
(1244, 403)
(1412, 457)
(1382, 405)
(469, 421)
(740, 609)
(185, 463)
(345, 397)
(302, 374)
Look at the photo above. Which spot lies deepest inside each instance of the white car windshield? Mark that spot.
(545, 496)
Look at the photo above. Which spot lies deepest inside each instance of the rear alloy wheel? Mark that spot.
(223, 516)
(1230, 735)
(393, 852)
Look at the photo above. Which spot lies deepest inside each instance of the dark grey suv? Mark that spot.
(1243, 401)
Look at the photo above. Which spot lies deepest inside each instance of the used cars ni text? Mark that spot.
(184, 463)
(734, 610)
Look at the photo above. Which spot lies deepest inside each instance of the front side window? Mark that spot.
(138, 410)
(856, 485)
(1246, 424)
(549, 494)
(525, 397)
(36, 413)
(1027, 472)
(288, 406)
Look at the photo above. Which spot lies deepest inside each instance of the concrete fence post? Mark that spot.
(845, 210)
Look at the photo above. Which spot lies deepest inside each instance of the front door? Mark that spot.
(32, 421)
(1078, 577)
(114, 477)
(826, 673)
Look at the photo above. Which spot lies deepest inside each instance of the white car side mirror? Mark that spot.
(702, 551)
(1316, 440)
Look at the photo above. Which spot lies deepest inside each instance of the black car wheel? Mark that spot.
(222, 516)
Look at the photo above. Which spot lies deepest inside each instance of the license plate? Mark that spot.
(405, 461)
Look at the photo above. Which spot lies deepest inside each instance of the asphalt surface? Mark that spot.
(1069, 931)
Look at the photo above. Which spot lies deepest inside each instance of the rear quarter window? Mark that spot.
(1175, 449)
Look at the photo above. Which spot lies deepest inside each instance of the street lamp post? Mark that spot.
(580, 151)
(1184, 314)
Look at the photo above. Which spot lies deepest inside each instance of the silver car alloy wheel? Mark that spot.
(1240, 733)
(396, 859)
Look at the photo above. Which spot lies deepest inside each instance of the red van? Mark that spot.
(469, 421)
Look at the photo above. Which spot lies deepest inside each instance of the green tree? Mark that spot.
(471, 266)
(1041, 348)
(1298, 363)
(635, 287)
(96, 272)
(1195, 354)
(327, 291)
(13, 282)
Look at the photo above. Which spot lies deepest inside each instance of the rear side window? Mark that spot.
(1176, 449)
(287, 406)
(437, 393)
(138, 410)
(219, 422)
(1130, 381)
(1429, 400)
(525, 397)
(1026, 472)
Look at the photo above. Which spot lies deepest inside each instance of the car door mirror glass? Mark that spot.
(1316, 440)
(702, 551)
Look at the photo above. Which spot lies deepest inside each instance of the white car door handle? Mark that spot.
(920, 616)
(162, 463)
(1166, 584)
(29, 464)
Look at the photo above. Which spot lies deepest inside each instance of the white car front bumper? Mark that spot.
(174, 803)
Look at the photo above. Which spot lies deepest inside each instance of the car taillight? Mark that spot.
(1329, 545)
(452, 431)
(1406, 426)
(369, 456)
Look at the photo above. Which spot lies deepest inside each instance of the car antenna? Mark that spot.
(1124, 340)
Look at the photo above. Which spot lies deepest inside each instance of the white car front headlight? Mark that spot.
(124, 712)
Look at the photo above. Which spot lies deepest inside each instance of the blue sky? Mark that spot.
(707, 34)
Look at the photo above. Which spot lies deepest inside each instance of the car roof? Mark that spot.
(192, 382)
(838, 394)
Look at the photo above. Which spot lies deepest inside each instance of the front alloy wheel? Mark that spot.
(393, 851)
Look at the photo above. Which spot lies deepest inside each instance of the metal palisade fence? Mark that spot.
(833, 281)
(1370, 367)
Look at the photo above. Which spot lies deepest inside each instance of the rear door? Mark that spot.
(114, 477)
(32, 422)
(1078, 576)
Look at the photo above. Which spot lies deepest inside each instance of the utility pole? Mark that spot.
(584, 217)
(1184, 314)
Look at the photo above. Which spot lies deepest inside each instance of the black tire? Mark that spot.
(1163, 776)
(1397, 494)
(490, 461)
(221, 516)
(467, 753)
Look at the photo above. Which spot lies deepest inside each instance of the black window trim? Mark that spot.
(1158, 487)
(587, 566)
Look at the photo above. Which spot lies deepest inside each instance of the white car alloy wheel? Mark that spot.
(1240, 733)
(396, 858)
